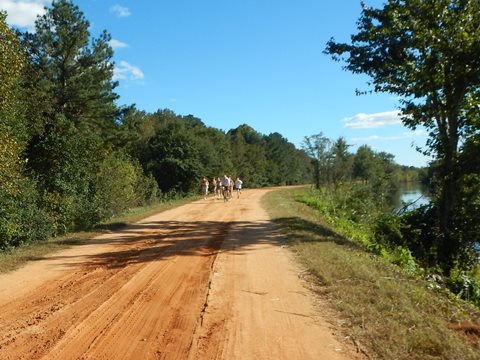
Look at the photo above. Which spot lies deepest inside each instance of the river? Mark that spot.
(411, 196)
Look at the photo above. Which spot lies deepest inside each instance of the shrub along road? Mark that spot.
(207, 280)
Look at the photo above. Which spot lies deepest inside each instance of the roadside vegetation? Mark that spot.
(356, 195)
(385, 310)
(15, 257)
(426, 54)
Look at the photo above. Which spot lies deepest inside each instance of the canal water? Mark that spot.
(411, 196)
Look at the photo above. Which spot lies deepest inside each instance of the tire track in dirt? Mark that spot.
(128, 300)
(208, 280)
(258, 307)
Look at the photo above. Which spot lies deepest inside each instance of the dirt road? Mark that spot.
(208, 280)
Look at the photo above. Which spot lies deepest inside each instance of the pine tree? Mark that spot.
(76, 76)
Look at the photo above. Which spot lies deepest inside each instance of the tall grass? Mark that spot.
(354, 210)
(386, 312)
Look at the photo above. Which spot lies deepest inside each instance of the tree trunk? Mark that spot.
(447, 206)
(317, 174)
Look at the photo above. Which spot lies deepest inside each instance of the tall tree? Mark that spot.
(12, 123)
(249, 157)
(427, 53)
(285, 162)
(71, 107)
(365, 164)
(172, 157)
(11, 62)
(76, 75)
(319, 148)
(20, 218)
(343, 160)
(214, 150)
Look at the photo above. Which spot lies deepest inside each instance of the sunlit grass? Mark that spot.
(383, 311)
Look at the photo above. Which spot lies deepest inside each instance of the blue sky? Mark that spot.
(258, 62)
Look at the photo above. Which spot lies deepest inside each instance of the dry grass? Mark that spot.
(384, 311)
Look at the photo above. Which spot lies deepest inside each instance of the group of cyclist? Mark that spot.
(222, 187)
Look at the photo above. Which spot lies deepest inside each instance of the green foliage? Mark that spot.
(319, 148)
(10, 162)
(249, 155)
(354, 211)
(11, 62)
(343, 161)
(76, 76)
(342, 210)
(215, 153)
(146, 188)
(21, 219)
(414, 230)
(333, 164)
(388, 229)
(415, 240)
(426, 52)
(12, 124)
(120, 184)
(63, 162)
(179, 150)
(465, 285)
(402, 257)
(172, 157)
(466, 220)
(365, 167)
(115, 186)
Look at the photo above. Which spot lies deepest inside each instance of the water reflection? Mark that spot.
(411, 196)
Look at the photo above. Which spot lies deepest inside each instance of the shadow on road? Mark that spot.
(158, 240)
(154, 241)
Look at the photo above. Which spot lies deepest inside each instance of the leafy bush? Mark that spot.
(115, 185)
(146, 188)
(388, 229)
(21, 219)
(464, 285)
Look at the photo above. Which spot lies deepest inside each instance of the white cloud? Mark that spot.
(23, 13)
(126, 71)
(120, 11)
(369, 121)
(117, 44)
(404, 135)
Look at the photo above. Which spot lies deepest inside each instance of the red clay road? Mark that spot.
(208, 280)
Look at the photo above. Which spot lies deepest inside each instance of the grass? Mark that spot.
(17, 257)
(387, 313)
